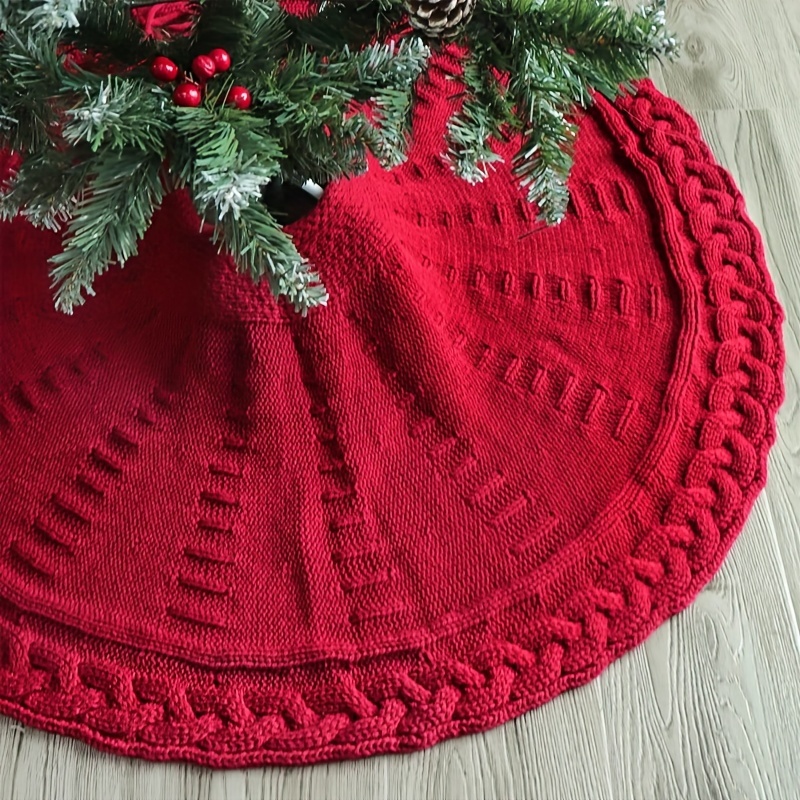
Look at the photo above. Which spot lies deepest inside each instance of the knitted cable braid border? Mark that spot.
(433, 698)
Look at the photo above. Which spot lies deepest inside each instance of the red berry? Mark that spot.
(164, 69)
(204, 67)
(240, 97)
(188, 95)
(221, 59)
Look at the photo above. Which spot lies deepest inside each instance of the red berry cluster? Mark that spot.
(204, 67)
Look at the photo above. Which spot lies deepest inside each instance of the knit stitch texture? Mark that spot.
(496, 462)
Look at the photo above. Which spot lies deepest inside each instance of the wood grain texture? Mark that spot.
(736, 54)
(792, 9)
(709, 707)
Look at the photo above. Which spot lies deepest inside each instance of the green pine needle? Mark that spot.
(558, 53)
(108, 221)
(104, 143)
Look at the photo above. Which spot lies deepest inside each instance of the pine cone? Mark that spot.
(441, 18)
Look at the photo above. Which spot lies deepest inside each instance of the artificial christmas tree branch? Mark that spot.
(245, 93)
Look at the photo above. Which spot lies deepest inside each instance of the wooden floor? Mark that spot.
(709, 707)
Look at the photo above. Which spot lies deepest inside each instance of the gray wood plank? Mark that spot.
(762, 149)
(698, 712)
(792, 10)
(529, 757)
(507, 763)
(736, 54)
(704, 705)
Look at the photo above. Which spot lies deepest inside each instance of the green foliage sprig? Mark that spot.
(103, 142)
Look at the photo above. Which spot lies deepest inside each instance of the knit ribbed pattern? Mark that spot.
(497, 461)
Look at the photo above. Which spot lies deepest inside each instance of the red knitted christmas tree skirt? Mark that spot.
(497, 461)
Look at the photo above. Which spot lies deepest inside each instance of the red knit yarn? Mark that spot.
(500, 458)
(161, 20)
